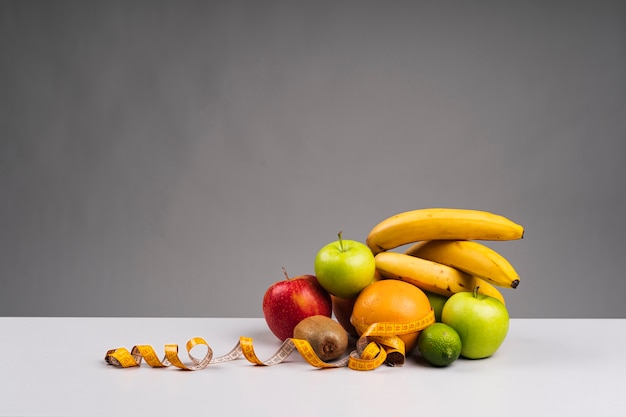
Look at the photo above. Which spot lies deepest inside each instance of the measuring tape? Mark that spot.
(378, 343)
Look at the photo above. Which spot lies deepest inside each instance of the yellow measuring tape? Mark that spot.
(378, 343)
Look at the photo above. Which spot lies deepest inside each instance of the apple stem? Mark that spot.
(476, 290)
(285, 272)
(340, 240)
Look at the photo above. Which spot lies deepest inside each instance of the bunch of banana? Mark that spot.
(444, 257)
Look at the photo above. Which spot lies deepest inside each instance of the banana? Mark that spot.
(431, 276)
(470, 257)
(441, 223)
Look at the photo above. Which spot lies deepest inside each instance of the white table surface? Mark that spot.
(546, 367)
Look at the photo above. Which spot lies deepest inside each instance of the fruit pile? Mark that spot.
(440, 296)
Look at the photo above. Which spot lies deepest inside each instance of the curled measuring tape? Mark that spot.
(386, 335)
(377, 344)
(371, 356)
(123, 358)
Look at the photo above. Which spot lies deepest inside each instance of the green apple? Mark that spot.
(345, 267)
(437, 302)
(481, 321)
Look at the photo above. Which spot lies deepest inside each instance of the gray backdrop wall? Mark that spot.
(169, 158)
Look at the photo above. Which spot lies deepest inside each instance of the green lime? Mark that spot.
(436, 302)
(439, 344)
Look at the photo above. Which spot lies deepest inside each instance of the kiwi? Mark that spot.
(327, 337)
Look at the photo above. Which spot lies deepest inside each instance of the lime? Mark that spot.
(439, 344)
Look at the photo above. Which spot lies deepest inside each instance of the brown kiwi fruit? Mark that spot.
(327, 337)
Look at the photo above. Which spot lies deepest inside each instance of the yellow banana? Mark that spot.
(471, 257)
(431, 276)
(441, 223)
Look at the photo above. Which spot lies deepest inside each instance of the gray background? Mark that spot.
(168, 158)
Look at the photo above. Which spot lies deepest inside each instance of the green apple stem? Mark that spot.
(285, 272)
(476, 291)
(340, 240)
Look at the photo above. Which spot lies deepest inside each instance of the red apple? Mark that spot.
(286, 303)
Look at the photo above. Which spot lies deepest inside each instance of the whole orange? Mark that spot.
(391, 301)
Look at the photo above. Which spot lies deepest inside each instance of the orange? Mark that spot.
(391, 301)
